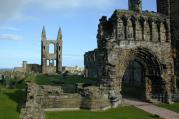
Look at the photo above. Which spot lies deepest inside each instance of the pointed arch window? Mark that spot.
(51, 49)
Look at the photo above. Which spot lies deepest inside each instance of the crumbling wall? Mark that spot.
(91, 64)
(51, 62)
(128, 36)
(40, 98)
(32, 109)
(35, 68)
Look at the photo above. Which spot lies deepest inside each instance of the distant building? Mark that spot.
(51, 61)
(19, 69)
(90, 62)
(73, 70)
(28, 68)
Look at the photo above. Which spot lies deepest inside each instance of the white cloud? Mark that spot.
(16, 9)
(13, 37)
(10, 8)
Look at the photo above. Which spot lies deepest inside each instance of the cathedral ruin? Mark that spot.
(138, 48)
(51, 61)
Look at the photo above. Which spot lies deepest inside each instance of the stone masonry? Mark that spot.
(51, 62)
(41, 98)
(170, 8)
(133, 35)
(90, 60)
(147, 38)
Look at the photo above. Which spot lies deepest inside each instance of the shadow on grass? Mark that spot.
(19, 97)
(155, 116)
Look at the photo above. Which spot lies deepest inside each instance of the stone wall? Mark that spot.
(170, 8)
(175, 34)
(128, 36)
(32, 109)
(163, 6)
(51, 62)
(90, 62)
(53, 97)
(35, 68)
(73, 70)
(40, 98)
(28, 68)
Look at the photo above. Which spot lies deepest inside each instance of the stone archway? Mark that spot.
(155, 85)
(133, 82)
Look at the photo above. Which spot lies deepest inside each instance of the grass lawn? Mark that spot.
(58, 80)
(10, 102)
(67, 83)
(173, 107)
(119, 113)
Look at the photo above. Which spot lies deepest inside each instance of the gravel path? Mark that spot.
(148, 107)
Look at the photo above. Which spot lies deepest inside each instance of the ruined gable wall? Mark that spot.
(125, 30)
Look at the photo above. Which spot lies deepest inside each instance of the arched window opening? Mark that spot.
(55, 63)
(48, 62)
(51, 49)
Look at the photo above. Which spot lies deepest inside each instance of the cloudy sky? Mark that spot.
(21, 22)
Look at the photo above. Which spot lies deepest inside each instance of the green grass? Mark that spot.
(119, 113)
(67, 83)
(10, 102)
(174, 107)
(58, 80)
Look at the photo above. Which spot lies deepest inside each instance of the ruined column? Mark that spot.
(163, 7)
(135, 5)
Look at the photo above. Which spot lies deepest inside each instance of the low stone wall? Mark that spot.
(95, 104)
(94, 99)
(32, 109)
(40, 98)
(65, 101)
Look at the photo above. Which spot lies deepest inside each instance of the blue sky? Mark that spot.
(21, 23)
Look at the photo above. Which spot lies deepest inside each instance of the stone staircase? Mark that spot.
(176, 96)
